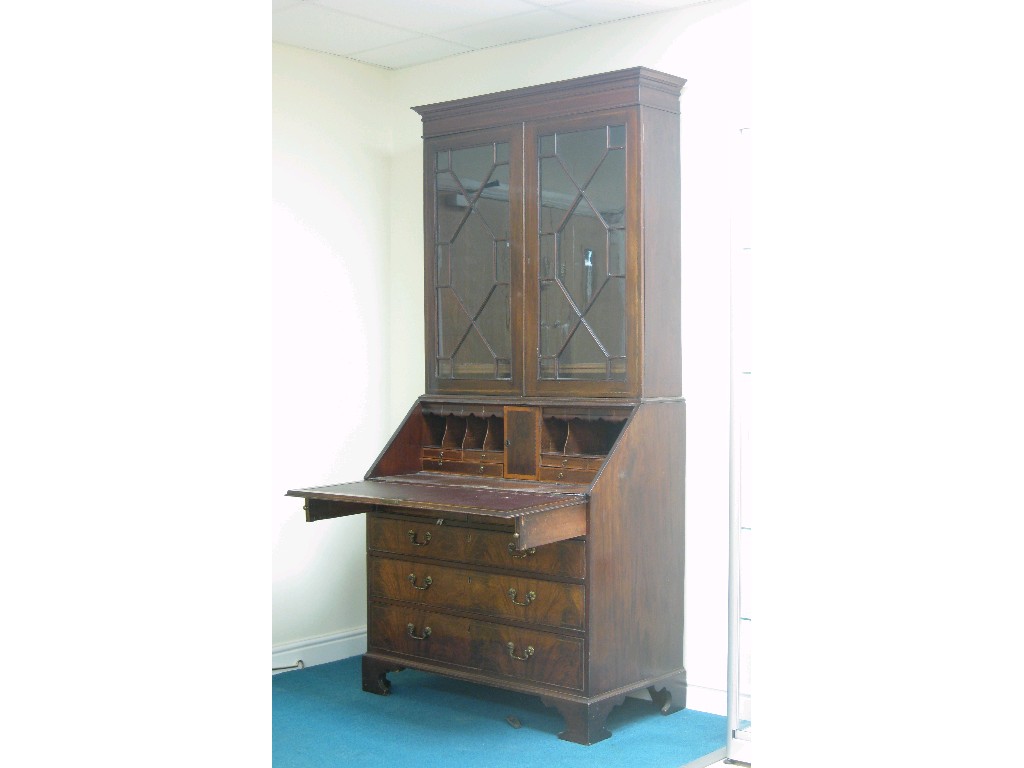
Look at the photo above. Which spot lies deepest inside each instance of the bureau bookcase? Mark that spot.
(525, 521)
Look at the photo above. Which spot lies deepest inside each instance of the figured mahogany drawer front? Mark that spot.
(552, 603)
(475, 546)
(497, 649)
(572, 462)
(463, 467)
(559, 475)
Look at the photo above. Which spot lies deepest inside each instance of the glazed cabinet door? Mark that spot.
(473, 236)
(583, 320)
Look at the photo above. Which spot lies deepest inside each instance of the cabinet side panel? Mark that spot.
(635, 553)
(402, 454)
(661, 248)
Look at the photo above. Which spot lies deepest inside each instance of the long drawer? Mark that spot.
(522, 653)
(551, 603)
(487, 548)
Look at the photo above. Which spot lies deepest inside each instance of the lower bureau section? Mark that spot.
(496, 649)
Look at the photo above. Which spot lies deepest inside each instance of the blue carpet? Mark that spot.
(322, 717)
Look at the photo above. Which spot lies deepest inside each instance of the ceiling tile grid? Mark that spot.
(402, 33)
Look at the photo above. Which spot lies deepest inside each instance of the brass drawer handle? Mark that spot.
(410, 628)
(426, 539)
(527, 553)
(426, 582)
(512, 651)
(530, 596)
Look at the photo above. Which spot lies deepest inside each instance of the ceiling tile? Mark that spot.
(429, 16)
(411, 52)
(524, 26)
(280, 5)
(599, 11)
(312, 26)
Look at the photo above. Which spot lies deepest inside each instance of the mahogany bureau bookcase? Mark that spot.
(525, 521)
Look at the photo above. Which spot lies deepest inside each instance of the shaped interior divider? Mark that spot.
(433, 430)
(476, 432)
(454, 431)
(580, 437)
(494, 440)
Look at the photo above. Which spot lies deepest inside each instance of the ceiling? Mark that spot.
(401, 33)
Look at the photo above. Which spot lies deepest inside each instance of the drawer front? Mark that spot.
(514, 597)
(449, 454)
(463, 467)
(514, 652)
(484, 457)
(572, 462)
(559, 475)
(472, 545)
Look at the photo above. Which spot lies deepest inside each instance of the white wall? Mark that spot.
(330, 317)
(709, 45)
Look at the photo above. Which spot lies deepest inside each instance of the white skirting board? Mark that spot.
(320, 650)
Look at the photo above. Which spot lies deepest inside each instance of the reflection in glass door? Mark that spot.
(582, 254)
(473, 274)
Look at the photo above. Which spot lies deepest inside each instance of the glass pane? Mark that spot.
(493, 322)
(617, 252)
(582, 254)
(492, 203)
(473, 270)
(444, 267)
(582, 358)
(472, 166)
(607, 188)
(607, 316)
(452, 322)
(473, 360)
(581, 151)
(502, 261)
(473, 263)
(557, 318)
(616, 136)
(548, 257)
(450, 209)
(557, 194)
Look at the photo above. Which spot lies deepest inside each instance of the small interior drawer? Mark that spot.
(559, 475)
(463, 467)
(484, 457)
(572, 462)
(448, 454)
